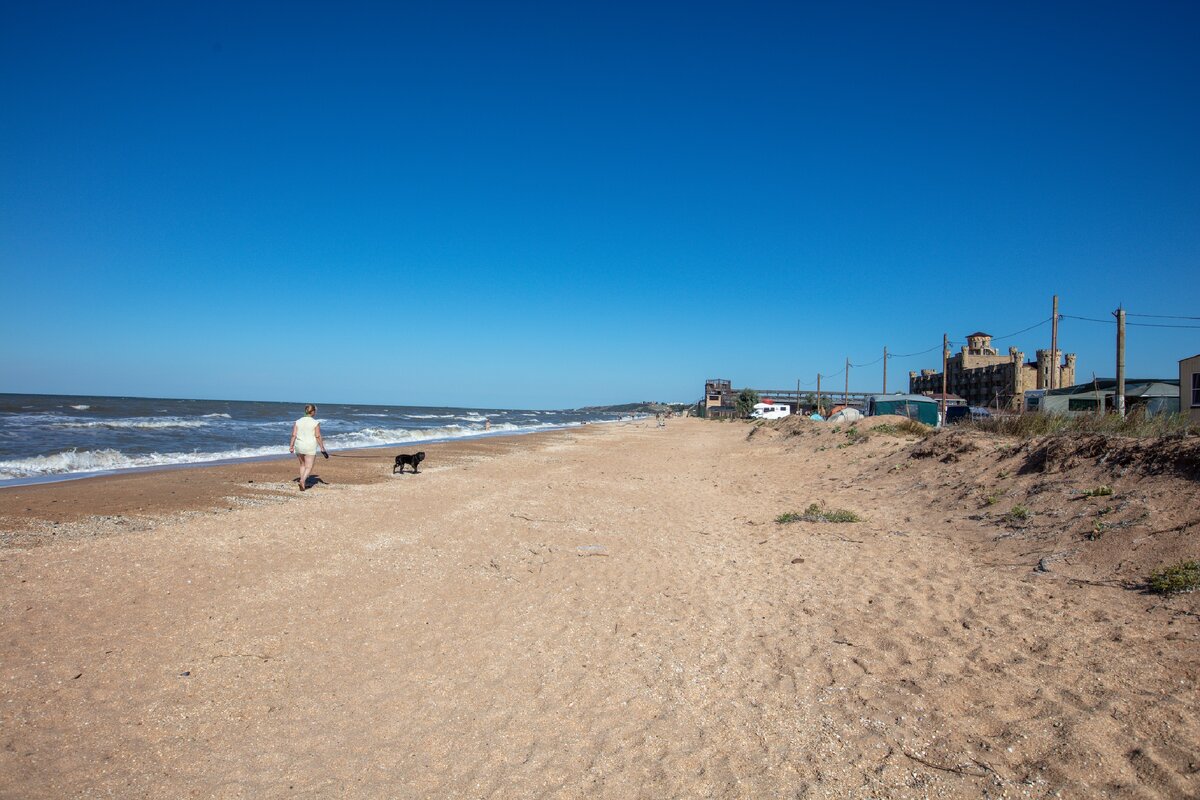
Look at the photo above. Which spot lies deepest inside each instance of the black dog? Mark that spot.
(406, 460)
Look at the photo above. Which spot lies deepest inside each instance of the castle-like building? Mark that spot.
(982, 376)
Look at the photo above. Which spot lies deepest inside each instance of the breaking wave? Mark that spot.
(148, 423)
(81, 407)
(373, 437)
(84, 461)
(72, 462)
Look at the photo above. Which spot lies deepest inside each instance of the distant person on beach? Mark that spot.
(306, 440)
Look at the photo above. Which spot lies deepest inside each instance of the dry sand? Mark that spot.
(608, 612)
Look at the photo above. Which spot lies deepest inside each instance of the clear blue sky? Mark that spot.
(555, 204)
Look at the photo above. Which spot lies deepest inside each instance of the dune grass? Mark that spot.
(1134, 424)
(815, 513)
(908, 427)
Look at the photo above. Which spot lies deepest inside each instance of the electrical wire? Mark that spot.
(951, 343)
(1135, 324)
(1159, 316)
(1024, 330)
(910, 355)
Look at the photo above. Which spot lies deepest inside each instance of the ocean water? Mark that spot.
(55, 437)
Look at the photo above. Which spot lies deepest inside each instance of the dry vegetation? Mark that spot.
(1129, 484)
(1136, 425)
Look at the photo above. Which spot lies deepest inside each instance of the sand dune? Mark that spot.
(607, 612)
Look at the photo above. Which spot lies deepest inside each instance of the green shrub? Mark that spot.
(1181, 577)
(1019, 513)
(1099, 491)
(815, 513)
(745, 402)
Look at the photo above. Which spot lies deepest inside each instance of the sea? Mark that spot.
(56, 437)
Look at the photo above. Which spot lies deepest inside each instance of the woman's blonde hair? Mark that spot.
(310, 409)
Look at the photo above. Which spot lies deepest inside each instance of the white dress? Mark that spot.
(306, 436)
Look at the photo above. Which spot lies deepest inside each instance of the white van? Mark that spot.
(771, 411)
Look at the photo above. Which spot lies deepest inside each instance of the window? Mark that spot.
(1081, 404)
(1196, 390)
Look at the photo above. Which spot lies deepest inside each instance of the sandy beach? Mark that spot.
(610, 611)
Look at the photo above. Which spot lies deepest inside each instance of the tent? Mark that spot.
(914, 406)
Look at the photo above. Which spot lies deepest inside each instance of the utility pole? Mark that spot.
(885, 369)
(819, 394)
(945, 345)
(1054, 346)
(1120, 398)
(846, 396)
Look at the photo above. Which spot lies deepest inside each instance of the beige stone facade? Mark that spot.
(986, 377)
(1189, 387)
(718, 393)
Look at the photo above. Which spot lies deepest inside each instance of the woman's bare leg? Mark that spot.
(306, 466)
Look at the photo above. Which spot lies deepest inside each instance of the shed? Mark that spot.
(1153, 395)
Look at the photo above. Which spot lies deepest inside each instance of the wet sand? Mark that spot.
(609, 611)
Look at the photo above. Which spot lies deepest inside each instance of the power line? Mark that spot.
(892, 356)
(1024, 330)
(1159, 316)
(1138, 324)
(910, 355)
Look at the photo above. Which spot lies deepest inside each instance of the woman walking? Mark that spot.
(306, 440)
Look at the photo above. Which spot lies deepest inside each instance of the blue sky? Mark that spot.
(557, 204)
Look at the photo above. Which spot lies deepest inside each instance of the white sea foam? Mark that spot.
(136, 422)
(105, 460)
(430, 416)
(216, 416)
(372, 437)
(81, 407)
(83, 461)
